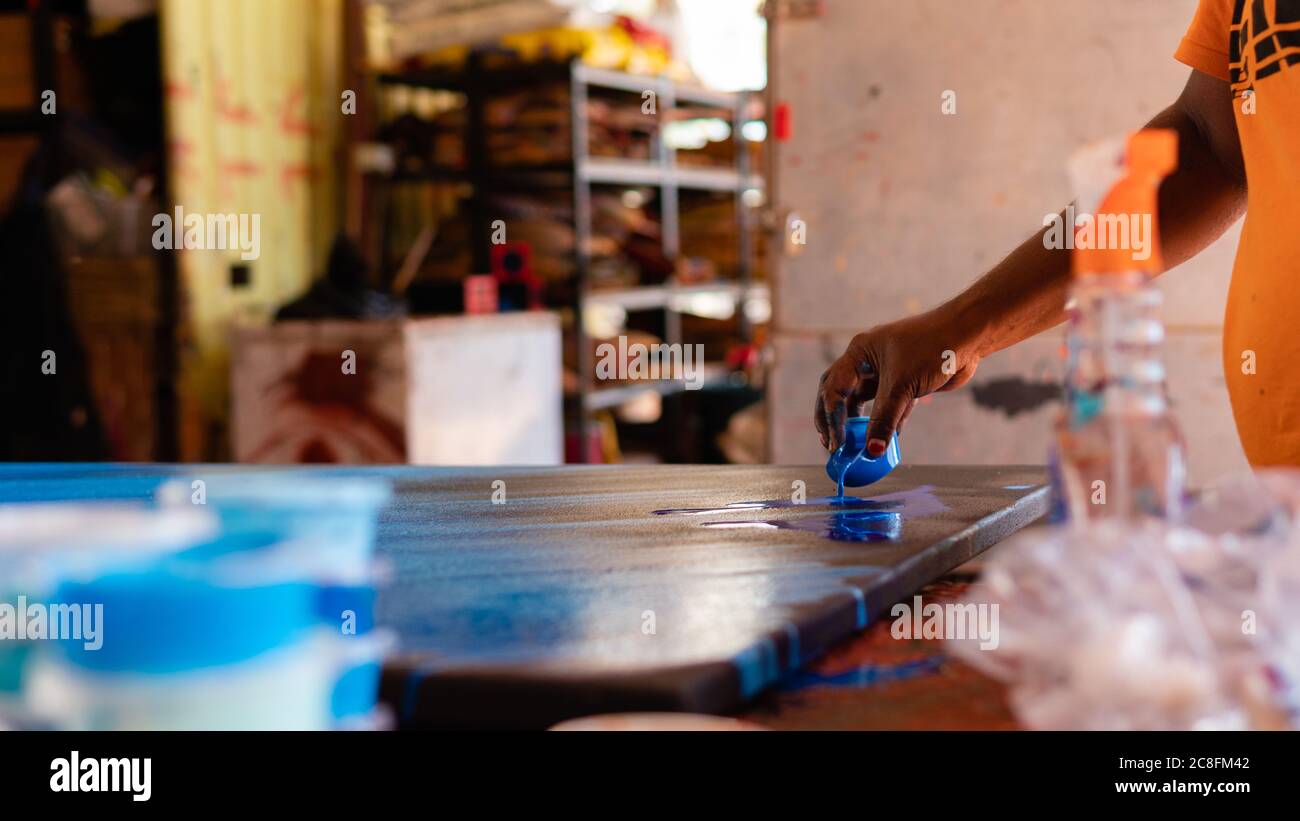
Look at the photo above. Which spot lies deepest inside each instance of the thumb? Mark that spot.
(887, 411)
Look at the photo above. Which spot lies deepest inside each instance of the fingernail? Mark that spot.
(875, 447)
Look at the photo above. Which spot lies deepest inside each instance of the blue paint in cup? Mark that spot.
(850, 465)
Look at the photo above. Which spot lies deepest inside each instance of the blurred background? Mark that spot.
(460, 200)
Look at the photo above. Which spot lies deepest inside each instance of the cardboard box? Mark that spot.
(464, 390)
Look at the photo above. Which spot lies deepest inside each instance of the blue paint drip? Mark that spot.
(861, 599)
(867, 675)
(839, 485)
(757, 666)
(792, 632)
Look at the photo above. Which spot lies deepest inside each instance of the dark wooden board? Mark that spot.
(525, 613)
(536, 609)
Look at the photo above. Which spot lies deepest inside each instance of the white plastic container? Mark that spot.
(42, 543)
(190, 645)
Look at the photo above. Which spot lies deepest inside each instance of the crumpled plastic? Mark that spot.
(1151, 625)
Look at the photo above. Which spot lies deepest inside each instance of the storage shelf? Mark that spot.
(638, 172)
(579, 174)
(540, 73)
(491, 79)
(527, 176)
(598, 172)
(649, 297)
(640, 83)
(715, 375)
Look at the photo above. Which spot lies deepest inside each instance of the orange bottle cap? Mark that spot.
(1123, 234)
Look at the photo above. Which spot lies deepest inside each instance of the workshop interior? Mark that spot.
(391, 365)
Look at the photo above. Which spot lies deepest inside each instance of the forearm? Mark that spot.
(1026, 292)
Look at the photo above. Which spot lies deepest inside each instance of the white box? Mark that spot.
(463, 390)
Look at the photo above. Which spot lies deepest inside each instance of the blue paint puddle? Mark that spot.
(846, 526)
(882, 503)
(866, 675)
(846, 518)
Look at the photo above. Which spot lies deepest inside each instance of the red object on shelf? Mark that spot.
(643, 35)
(781, 125)
(481, 294)
(512, 265)
(742, 357)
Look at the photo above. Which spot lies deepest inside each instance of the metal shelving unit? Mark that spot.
(477, 82)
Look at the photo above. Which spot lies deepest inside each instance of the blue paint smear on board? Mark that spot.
(846, 518)
(847, 526)
(514, 601)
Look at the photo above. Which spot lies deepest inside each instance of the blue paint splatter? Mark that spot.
(866, 675)
(846, 526)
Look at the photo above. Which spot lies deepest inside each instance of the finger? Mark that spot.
(819, 411)
(864, 389)
(834, 408)
(819, 421)
(886, 414)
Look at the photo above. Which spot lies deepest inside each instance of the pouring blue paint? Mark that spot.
(850, 465)
(853, 519)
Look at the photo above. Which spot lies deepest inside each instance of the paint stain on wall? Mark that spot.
(1013, 395)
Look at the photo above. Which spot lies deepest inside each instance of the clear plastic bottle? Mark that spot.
(1119, 450)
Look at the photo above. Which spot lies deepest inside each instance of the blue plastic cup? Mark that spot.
(851, 461)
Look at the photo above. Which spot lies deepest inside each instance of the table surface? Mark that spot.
(589, 589)
(657, 587)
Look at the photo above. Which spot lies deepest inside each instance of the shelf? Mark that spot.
(649, 297)
(600, 172)
(549, 72)
(640, 83)
(604, 398)
(722, 299)
(489, 79)
(637, 172)
(553, 176)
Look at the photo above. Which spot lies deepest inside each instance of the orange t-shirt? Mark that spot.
(1255, 46)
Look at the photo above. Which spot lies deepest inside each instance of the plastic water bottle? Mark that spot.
(1119, 450)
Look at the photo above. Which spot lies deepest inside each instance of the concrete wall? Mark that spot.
(905, 205)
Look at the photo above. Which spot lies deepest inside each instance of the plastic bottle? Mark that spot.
(1119, 452)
